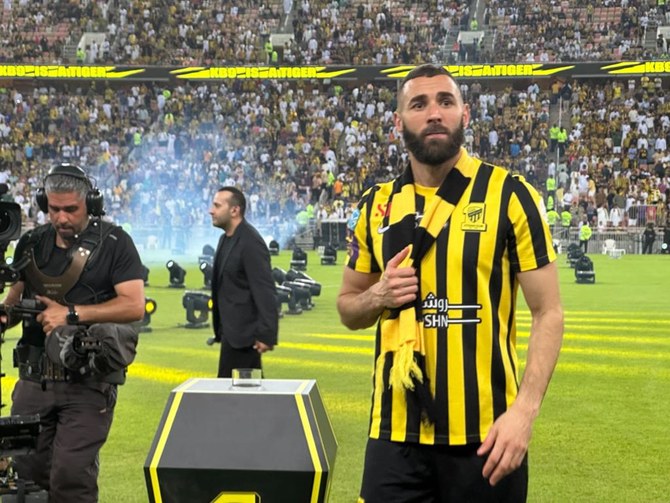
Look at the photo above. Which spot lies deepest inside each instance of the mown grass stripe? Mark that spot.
(162, 374)
(609, 353)
(613, 370)
(297, 363)
(579, 312)
(613, 339)
(190, 352)
(171, 375)
(610, 320)
(328, 348)
(343, 337)
(619, 339)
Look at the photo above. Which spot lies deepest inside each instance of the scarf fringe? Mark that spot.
(406, 370)
(406, 373)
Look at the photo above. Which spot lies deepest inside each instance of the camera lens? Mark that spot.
(10, 221)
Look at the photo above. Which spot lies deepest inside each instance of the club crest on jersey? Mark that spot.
(436, 312)
(474, 218)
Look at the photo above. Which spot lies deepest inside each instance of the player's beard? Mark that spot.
(434, 151)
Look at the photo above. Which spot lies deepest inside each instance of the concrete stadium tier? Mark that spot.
(217, 442)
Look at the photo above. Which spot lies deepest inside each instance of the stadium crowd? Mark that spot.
(304, 150)
(569, 30)
(214, 32)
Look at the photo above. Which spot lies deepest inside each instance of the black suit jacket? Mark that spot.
(243, 292)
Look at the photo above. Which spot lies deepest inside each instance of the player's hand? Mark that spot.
(54, 314)
(506, 444)
(261, 347)
(398, 285)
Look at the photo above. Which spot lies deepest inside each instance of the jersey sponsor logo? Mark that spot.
(474, 215)
(417, 218)
(353, 219)
(383, 210)
(436, 312)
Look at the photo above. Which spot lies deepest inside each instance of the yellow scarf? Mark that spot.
(402, 329)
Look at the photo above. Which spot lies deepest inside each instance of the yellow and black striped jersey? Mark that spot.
(468, 291)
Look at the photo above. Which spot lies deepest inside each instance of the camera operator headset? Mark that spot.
(86, 275)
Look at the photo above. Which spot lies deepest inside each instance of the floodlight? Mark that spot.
(145, 274)
(300, 293)
(177, 274)
(197, 305)
(149, 309)
(574, 254)
(584, 270)
(329, 256)
(207, 255)
(299, 259)
(207, 272)
(278, 275)
(285, 296)
(208, 250)
(301, 277)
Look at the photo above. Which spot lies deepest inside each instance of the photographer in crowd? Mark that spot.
(86, 276)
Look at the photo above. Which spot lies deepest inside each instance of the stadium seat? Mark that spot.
(609, 248)
(152, 242)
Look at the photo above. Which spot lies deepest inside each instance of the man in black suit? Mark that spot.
(245, 316)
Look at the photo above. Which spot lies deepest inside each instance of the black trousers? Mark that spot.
(75, 421)
(584, 245)
(237, 358)
(396, 472)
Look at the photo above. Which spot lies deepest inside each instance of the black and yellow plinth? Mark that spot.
(223, 444)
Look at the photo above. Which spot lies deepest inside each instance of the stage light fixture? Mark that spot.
(208, 250)
(285, 296)
(278, 275)
(145, 274)
(299, 259)
(300, 293)
(329, 256)
(273, 246)
(301, 277)
(207, 255)
(207, 272)
(177, 274)
(150, 307)
(197, 305)
(574, 254)
(584, 270)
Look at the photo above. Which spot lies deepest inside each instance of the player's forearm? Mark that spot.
(122, 309)
(544, 347)
(359, 310)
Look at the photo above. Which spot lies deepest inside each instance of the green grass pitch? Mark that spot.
(602, 435)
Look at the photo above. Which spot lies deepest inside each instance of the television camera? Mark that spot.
(18, 434)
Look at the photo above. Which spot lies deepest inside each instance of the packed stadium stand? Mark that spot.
(304, 150)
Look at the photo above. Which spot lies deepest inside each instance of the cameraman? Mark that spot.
(75, 411)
